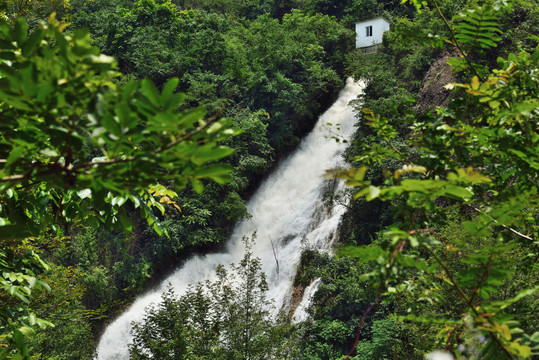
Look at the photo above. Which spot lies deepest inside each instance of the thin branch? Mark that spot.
(104, 163)
(60, 168)
(14, 178)
(28, 185)
(455, 42)
(274, 255)
(481, 281)
(476, 310)
(358, 334)
(190, 134)
(504, 226)
(87, 165)
(398, 249)
(438, 236)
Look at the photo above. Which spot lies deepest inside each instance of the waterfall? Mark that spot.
(288, 215)
(300, 314)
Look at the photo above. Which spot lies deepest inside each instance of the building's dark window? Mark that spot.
(369, 30)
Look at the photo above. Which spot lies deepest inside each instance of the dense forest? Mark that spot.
(132, 133)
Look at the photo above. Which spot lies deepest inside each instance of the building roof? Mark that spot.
(376, 18)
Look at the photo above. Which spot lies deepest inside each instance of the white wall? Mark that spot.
(379, 26)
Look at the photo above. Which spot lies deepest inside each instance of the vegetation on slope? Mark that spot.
(76, 158)
(445, 227)
(451, 263)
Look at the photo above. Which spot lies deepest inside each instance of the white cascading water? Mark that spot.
(301, 314)
(288, 216)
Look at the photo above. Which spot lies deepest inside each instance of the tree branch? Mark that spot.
(455, 42)
(438, 236)
(14, 178)
(87, 165)
(398, 249)
(504, 226)
(477, 310)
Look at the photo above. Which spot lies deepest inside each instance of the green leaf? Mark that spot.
(359, 174)
(20, 31)
(457, 192)
(118, 200)
(18, 338)
(85, 193)
(373, 193)
(15, 155)
(7, 55)
(109, 123)
(6, 45)
(157, 228)
(423, 186)
(410, 168)
(197, 185)
(191, 117)
(31, 43)
(363, 253)
(126, 222)
(151, 93)
(214, 170)
(168, 89)
(210, 153)
(125, 116)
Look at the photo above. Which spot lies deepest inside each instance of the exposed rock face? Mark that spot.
(432, 92)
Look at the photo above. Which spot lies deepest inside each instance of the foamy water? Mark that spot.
(287, 210)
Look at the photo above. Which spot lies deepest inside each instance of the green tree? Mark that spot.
(259, 64)
(35, 10)
(475, 160)
(76, 147)
(71, 337)
(227, 318)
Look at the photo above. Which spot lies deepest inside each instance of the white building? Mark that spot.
(369, 33)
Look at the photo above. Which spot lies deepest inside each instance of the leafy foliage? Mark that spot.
(97, 145)
(69, 112)
(474, 161)
(74, 147)
(228, 318)
(81, 145)
(17, 281)
(479, 28)
(258, 65)
(34, 10)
